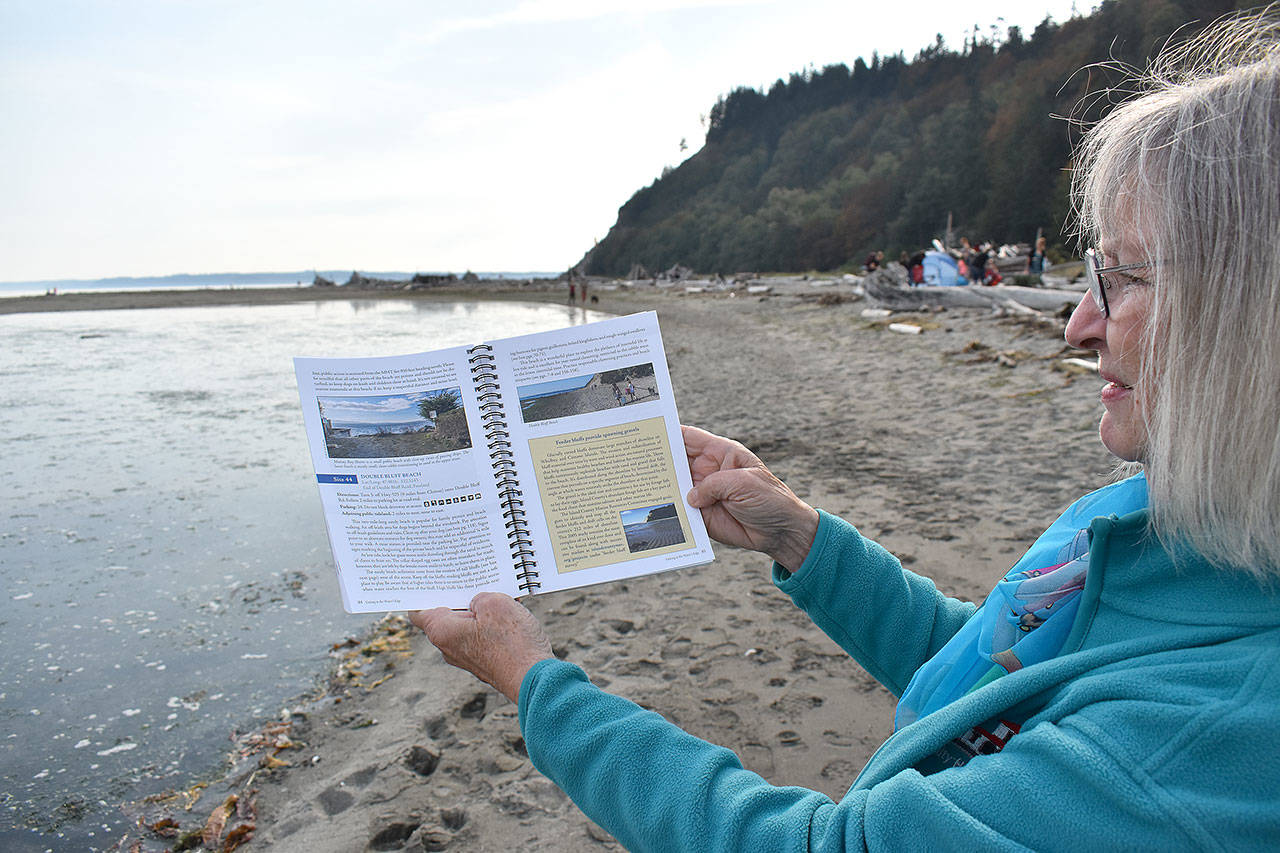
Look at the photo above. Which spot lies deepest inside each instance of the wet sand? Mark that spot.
(953, 448)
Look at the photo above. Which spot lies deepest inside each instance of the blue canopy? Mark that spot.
(942, 269)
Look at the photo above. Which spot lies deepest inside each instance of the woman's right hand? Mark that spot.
(743, 503)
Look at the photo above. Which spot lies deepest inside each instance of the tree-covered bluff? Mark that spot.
(832, 164)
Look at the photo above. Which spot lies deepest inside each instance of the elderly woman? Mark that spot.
(1120, 686)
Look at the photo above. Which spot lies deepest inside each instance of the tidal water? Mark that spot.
(164, 571)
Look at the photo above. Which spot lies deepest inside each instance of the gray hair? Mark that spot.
(1192, 166)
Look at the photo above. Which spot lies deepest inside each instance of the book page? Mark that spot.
(599, 452)
(405, 480)
(610, 494)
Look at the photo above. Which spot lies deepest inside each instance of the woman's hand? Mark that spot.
(497, 640)
(742, 502)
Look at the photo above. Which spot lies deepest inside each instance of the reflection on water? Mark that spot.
(164, 570)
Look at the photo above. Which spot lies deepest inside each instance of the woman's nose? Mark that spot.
(1087, 328)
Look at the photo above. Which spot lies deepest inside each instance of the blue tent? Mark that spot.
(942, 269)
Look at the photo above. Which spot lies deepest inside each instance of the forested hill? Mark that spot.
(832, 164)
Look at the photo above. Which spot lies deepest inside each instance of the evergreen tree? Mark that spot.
(829, 165)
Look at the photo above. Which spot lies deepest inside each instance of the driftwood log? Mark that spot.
(885, 290)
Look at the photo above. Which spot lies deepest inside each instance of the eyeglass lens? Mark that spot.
(1093, 262)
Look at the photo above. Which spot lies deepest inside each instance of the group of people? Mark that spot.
(976, 263)
(625, 394)
(1120, 685)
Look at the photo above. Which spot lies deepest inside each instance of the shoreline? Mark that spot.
(946, 446)
(1045, 302)
(90, 300)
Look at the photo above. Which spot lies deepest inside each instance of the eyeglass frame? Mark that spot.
(1094, 271)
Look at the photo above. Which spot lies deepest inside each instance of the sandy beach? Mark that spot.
(953, 447)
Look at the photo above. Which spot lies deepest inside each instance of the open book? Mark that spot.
(528, 464)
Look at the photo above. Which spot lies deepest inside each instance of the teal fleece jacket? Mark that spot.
(1157, 726)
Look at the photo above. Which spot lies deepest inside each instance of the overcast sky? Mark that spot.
(146, 138)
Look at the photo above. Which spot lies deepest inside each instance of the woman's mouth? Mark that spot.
(1115, 390)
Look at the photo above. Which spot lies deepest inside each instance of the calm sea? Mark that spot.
(164, 571)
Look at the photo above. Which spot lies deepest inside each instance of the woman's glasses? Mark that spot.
(1099, 278)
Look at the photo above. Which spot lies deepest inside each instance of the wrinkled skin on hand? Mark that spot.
(497, 640)
(743, 503)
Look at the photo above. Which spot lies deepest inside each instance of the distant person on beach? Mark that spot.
(915, 270)
(991, 273)
(976, 263)
(963, 256)
(1120, 686)
(1035, 261)
(573, 291)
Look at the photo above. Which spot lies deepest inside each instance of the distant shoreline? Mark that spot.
(89, 300)
(622, 295)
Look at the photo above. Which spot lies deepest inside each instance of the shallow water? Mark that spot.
(164, 570)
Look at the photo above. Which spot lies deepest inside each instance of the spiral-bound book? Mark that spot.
(523, 465)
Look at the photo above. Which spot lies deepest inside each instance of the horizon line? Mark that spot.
(283, 273)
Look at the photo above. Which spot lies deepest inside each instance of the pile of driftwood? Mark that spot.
(882, 288)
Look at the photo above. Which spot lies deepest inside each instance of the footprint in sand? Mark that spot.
(422, 760)
(723, 718)
(474, 707)
(841, 768)
(335, 801)
(757, 757)
(393, 836)
(787, 737)
(439, 730)
(836, 738)
(361, 778)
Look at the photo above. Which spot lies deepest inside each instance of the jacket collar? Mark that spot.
(1132, 571)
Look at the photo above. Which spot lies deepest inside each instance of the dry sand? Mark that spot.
(950, 458)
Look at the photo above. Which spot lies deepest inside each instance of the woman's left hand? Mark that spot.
(497, 640)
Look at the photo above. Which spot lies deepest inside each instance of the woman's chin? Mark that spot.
(1121, 438)
(1121, 433)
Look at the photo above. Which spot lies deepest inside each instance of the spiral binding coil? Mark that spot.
(494, 423)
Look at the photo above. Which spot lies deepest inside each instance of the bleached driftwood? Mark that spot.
(885, 291)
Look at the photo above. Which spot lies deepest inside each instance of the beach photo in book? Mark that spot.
(652, 527)
(390, 425)
(592, 392)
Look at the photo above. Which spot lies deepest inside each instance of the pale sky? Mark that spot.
(148, 138)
